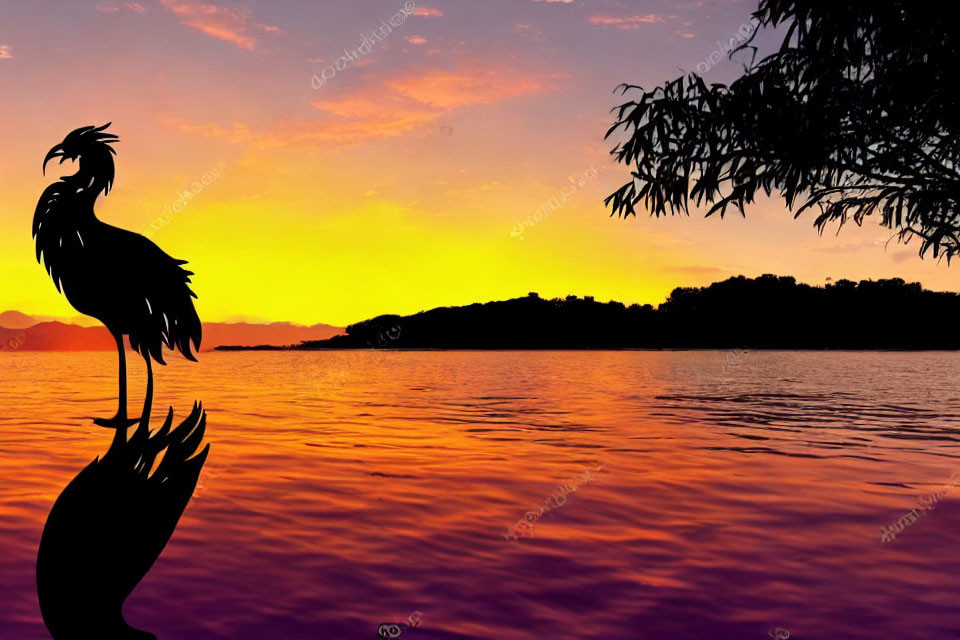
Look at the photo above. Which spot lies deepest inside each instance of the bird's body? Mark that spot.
(116, 276)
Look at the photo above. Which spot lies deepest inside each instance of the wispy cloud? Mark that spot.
(627, 22)
(113, 7)
(427, 12)
(452, 89)
(412, 101)
(416, 39)
(5, 52)
(387, 108)
(370, 115)
(394, 107)
(366, 116)
(228, 23)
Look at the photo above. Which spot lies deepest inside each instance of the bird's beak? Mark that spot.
(56, 152)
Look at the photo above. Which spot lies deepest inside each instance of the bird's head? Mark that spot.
(91, 147)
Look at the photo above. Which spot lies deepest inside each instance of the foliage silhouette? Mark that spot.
(116, 276)
(768, 312)
(110, 524)
(857, 113)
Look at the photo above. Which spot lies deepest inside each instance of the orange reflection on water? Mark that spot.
(348, 489)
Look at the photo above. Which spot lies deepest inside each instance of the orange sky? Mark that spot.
(395, 185)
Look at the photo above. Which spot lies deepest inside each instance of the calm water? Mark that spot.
(738, 493)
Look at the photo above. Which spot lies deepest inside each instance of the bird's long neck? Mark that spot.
(95, 176)
(82, 194)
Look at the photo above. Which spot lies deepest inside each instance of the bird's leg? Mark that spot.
(119, 421)
(148, 399)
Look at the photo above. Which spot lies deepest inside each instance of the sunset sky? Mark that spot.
(395, 186)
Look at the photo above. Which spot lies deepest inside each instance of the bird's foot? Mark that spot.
(116, 422)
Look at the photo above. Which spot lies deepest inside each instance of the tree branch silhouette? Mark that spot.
(856, 114)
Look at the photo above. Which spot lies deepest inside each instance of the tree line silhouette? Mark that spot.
(768, 312)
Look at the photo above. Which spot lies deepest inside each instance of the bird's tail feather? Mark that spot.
(169, 319)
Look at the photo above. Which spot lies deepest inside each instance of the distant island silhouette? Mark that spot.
(768, 312)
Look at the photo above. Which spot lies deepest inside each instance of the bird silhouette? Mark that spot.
(116, 276)
(110, 524)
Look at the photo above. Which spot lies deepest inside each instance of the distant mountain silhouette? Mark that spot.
(16, 320)
(24, 334)
(56, 336)
(768, 312)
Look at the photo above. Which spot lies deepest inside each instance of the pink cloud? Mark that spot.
(428, 13)
(416, 39)
(228, 23)
(365, 116)
(410, 102)
(627, 22)
(449, 90)
(387, 109)
(113, 7)
(6, 53)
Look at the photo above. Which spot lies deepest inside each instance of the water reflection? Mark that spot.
(753, 503)
(110, 524)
